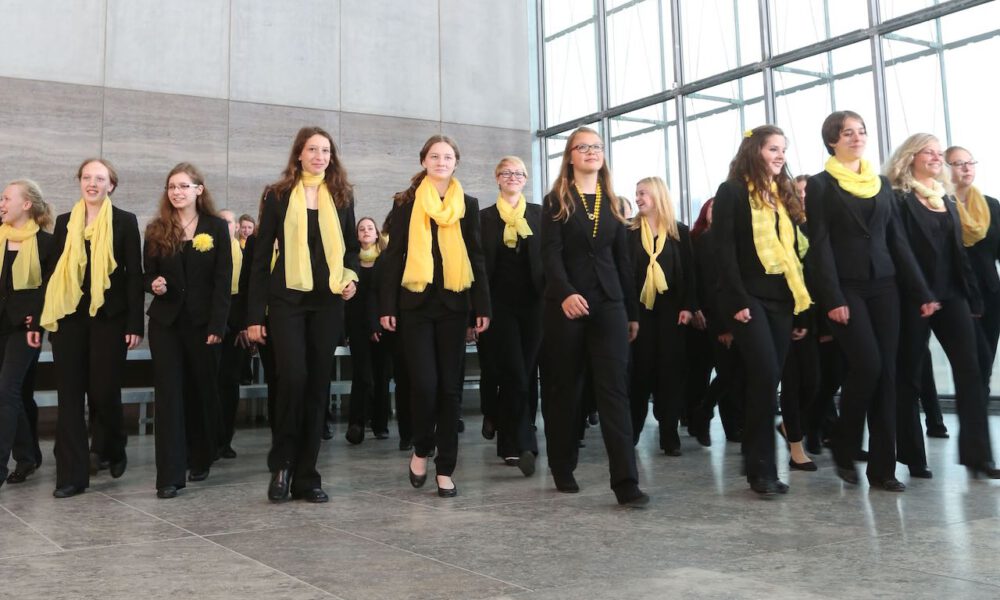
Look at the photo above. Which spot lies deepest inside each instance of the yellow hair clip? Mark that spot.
(748, 133)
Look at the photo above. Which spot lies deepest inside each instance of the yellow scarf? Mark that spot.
(237, 251)
(513, 217)
(934, 195)
(243, 243)
(65, 285)
(26, 272)
(298, 269)
(776, 251)
(447, 213)
(369, 255)
(865, 184)
(975, 217)
(656, 280)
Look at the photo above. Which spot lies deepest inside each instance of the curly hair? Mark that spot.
(164, 234)
(335, 177)
(899, 167)
(748, 167)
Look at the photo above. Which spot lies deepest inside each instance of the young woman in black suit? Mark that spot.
(980, 216)
(932, 224)
(93, 307)
(663, 266)
(512, 246)
(857, 252)
(24, 247)
(591, 315)
(310, 213)
(235, 344)
(370, 361)
(188, 269)
(433, 277)
(761, 284)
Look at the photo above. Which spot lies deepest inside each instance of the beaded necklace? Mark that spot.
(596, 215)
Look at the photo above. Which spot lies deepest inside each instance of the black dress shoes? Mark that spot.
(512, 461)
(20, 474)
(938, 431)
(632, 497)
(890, 485)
(278, 489)
(67, 491)
(167, 492)
(566, 483)
(228, 452)
(806, 466)
(781, 487)
(987, 470)
(848, 474)
(198, 475)
(118, 469)
(447, 492)
(489, 429)
(315, 495)
(527, 463)
(355, 434)
(921, 472)
(417, 481)
(381, 435)
(764, 487)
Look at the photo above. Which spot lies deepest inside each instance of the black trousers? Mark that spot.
(953, 327)
(232, 359)
(822, 415)
(370, 372)
(187, 404)
(989, 328)
(89, 355)
(26, 449)
(598, 342)
(658, 368)
(799, 385)
(16, 358)
(489, 382)
(763, 343)
(433, 337)
(929, 400)
(304, 341)
(270, 367)
(870, 342)
(699, 362)
(401, 378)
(512, 343)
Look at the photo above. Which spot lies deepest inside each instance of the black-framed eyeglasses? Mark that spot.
(961, 164)
(588, 148)
(512, 174)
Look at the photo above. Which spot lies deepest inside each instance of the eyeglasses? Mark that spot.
(181, 186)
(931, 153)
(588, 148)
(961, 164)
(513, 174)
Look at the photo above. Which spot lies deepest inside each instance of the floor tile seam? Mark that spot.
(200, 487)
(424, 556)
(32, 528)
(947, 576)
(800, 549)
(402, 501)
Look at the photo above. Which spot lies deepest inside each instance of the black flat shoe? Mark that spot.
(489, 430)
(355, 434)
(511, 461)
(198, 475)
(166, 492)
(806, 466)
(19, 475)
(228, 452)
(315, 496)
(672, 451)
(593, 419)
(986, 470)
(447, 492)
(566, 483)
(67, 491)
(381, 435)
(939, 431)
(849, 475)
(633, 497)
(921, 472)
(704, 438)
(417, 481)
(278, 489)
(890, 485)
(527, 463)
(118, 469)
(781, 487)
(764, 487)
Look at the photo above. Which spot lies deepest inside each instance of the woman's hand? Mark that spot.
(798, 334)
(726, 339)
(482, 324)
(376, 337)
(699, 322)
(242, 339)
(929, 309)
(633, 330)
(132, 340)
(349, 290)
(575, 306)
(743, 316)
(257, 334)
(388, 322)
(34, 339)
(159, 286)
(212, 340)
(684, 317)
(841, 315)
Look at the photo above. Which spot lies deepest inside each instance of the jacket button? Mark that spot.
(868, 237)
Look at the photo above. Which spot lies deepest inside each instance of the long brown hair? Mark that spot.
(748, 166)
(335, 176)
(410, 193)
(164, 233)
(562, 187)
(379, 240)
(40, 211)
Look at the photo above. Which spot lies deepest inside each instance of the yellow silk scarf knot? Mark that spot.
(934, 195)
(776, 249)
(298, 268)
(370, 254)
(656, 279)
(514, 222)
(65, 285)
(975, 217)
(447, 213)
(26, 272)
(865, 184)
(237, 251)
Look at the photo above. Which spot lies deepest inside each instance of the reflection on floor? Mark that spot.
(705, 535)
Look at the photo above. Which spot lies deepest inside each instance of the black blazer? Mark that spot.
(740, 273)
(843, 246)
(677, 262)
(492, 231)
(266, 284)
(21, 304)
(577, 263)
(393, 296)
(125, 294)
(707, 282)
(201, 281)
(984, 254)
(925, 251)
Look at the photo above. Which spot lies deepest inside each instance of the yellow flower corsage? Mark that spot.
(748, 133)
(203, 242)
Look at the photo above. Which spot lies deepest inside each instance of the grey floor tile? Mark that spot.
(18, 539)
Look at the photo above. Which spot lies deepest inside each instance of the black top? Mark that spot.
(856, 241)
(361, 312)
(268, 286)
(943, 282)
(577, 263)
(199, 282)
(125, 294)
(506, 267)
(393, 296)
(677, 262)
(983, 255)
(7, 325)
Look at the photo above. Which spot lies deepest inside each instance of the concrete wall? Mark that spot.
(226, 83)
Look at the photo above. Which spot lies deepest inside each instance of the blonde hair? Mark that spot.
(899, 167)
(509, 160)
(663, 204)
(563, 197)
(40, 211)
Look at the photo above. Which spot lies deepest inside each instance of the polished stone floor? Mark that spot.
(705, 535)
